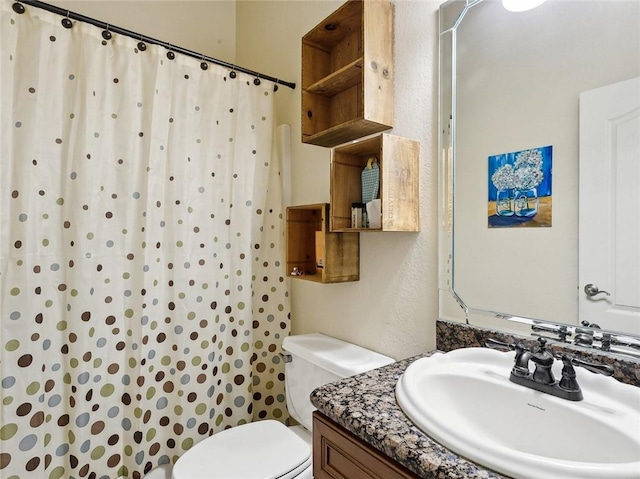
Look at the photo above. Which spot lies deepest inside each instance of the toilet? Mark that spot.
(268, 449)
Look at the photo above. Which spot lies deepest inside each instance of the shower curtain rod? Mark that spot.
(19, 8)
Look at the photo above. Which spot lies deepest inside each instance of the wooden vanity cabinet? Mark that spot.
(338, 454)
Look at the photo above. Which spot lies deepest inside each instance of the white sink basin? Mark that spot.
(464, 400)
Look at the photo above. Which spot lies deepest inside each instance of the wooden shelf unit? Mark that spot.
(347, 74)
(398, 160)
(309, 239)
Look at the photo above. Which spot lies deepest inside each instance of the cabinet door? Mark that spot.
(338, 454)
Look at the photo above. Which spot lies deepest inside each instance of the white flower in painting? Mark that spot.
(528, 177)
(504, 178)
(529, 158)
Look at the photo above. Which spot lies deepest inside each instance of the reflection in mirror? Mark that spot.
(524, 90)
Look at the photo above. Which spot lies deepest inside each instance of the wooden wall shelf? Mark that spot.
(309, 242)
(398, 160)
(347, 74)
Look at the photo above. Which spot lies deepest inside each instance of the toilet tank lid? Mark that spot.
(338, 357)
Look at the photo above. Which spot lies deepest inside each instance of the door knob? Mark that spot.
(592, 290)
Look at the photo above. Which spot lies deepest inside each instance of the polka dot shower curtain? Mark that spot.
(142, 298)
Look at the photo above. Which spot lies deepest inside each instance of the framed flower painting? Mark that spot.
(520, 188)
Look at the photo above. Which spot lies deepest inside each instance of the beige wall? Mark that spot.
(207, 27)
(394, 306)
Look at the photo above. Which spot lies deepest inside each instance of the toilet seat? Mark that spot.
(258, 450)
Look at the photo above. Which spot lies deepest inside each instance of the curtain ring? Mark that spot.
(106, 34)
(204, 65)
(18, 8)
(142, 46)
(170, 54)
(256, 80)
(66, 22)
(232, 73)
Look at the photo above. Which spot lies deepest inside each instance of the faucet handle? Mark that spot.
(597, 368)
(501, 345)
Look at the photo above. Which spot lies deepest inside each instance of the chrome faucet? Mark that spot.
(542, 378)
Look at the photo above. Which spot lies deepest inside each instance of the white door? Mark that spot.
(609, 244)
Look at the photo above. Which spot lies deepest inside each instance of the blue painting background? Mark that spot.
(496, 161)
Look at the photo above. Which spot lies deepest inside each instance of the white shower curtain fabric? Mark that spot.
(142, 292)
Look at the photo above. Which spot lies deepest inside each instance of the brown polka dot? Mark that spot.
(114, 460)
(97, 427)
(24, 409)
(86, 316)
(32, 464)
(37, 419)
(25, 360)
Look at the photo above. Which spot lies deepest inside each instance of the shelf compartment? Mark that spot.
(309, 240)
(347, 74)
(398, 160)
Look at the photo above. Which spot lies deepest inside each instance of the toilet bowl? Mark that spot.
(268, 449)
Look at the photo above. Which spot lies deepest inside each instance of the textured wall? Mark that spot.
(394, 306)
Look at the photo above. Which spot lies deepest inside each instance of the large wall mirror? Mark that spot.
(540, 164)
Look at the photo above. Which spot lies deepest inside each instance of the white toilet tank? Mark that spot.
(315, 360)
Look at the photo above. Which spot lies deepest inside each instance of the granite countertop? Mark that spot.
(366, 405)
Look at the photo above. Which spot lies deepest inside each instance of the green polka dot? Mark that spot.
(8, 431)
(187, 444)
(61, 326)
(15, 291)
(240, 305)
(33, 388)
(107, 390)
(97, 453)
(151, 433)
(129, 313)
(151, 392)
(201, 408)
(60, 201)
(12, 345)
(57, 473)
(165, 361)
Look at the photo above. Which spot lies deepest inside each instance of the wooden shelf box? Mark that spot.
(398, 160)
(347, 74)
(309, 242)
